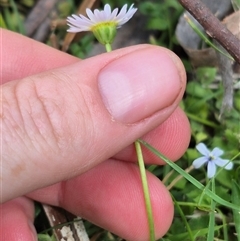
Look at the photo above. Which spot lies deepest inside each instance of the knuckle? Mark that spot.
(47, 116)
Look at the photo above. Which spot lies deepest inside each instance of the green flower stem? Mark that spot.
(145, 190)
(183, 218)
(144, 179)
(211, 224)
(108, 47)
(202, 121)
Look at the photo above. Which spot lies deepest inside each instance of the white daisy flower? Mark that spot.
(211, 159)
(103, 23)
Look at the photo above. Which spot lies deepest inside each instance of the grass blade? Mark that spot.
(236, 200)
(191, 179)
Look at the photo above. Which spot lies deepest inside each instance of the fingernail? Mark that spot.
(139, 84)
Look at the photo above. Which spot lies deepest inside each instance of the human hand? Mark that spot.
(68, 128)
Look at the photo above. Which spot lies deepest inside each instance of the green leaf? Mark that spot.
(211, 224)
(157, 24)
(2, 22)
(199, 234)
(236, 200)
(236, 5)
(45, 237)
(206, 74)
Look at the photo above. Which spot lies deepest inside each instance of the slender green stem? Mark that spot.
(196, 205)
(224, 224)
(144, 179)
(198, 31)
(108, 47)
(211, 224)
(145, 190)
(202, 121)
(183, 218)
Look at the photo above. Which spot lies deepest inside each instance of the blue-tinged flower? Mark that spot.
(103, 23)
(211, 159)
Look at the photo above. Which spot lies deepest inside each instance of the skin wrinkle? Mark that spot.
(17, 168)
(46, 120)
(9, 122)
(25, 105)
(31, 115)
(52, 108)
(6, 104)
(86, 128)
(88, 97)
(64, 144)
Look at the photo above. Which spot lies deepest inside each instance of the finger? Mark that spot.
(23, 57)
(110, 195)
(171, 138)
(53, 121)
(17, 220)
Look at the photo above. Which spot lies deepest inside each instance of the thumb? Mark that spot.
(60, 123)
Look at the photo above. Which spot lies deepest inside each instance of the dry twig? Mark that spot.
(213, 27)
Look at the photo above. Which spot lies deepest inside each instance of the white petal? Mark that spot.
(78, 21)
(123, 11)
(107, 9)
(222, 162)
(98, 15)
(91, 16)
(211, 169)
(216, 152)
(113, 14)
(201, 147)
(73, 30)
(104, 17)
(126, 18)
(81, 24)
(199, 162)
(85, 18)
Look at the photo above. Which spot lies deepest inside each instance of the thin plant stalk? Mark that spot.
(202, 36)
(183, 218)
(211, 224)
(144, 180)
(145, 190)
(108, 47)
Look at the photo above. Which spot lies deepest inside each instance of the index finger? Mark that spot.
(23, 56)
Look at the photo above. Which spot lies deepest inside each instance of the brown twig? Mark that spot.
(213, 27)
(71, 229)
(38, 14)
(81, 10)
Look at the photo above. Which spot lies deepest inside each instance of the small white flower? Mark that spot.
(79, 23)
(101, 20)
(211, 159)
